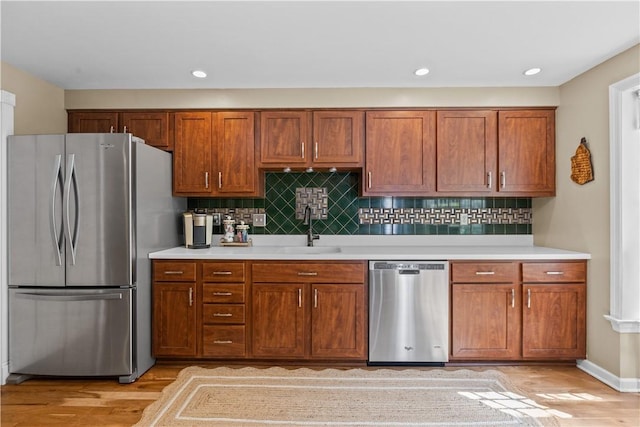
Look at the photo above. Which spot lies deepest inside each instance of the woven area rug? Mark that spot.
(352, 397)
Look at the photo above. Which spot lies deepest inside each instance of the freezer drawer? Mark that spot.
(72, 332)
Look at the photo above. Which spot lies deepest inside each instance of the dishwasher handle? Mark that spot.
(409, 272)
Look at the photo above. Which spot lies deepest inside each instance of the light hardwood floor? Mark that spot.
(47, 402)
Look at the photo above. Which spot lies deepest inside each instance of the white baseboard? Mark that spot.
(624, 385)
(5, 373)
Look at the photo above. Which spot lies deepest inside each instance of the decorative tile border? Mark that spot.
(444, 216)
(238, 214)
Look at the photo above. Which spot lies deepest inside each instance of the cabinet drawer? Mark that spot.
(223, 292)
(223, 313)
(484, 272)
(309, 272)
(223, 272)
(174, 271)
(554, 272)
(223, 341)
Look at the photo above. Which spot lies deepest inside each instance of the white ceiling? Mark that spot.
(312, 44)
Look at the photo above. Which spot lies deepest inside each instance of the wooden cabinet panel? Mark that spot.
(554, 321)
(485, 321)
(174, 320)
(174, 271)
(284, 138)
(526, 153)
(235, 151)
(153, 127)
(193, 154)
(338, 138)
(400, 153)
(92, 122)
(304, 272)
(554, 272)
(224, 341)
(223, 271)
(484, 272)
(467, 145)
(223, 293)
(279, 320)
(338, 322)
(223, 313)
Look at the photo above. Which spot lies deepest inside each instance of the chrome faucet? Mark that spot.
(307, 221)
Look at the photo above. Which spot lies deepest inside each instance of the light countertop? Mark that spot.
(339, 248)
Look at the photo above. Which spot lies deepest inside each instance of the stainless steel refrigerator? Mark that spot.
(84, 212)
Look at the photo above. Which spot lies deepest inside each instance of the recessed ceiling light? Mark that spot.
(421, 72)
(532, 71)
(199, 74)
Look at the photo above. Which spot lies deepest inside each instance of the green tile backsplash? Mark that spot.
(349, 214)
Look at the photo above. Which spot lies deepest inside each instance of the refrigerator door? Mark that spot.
(35, 186)
(98, 210)
(71, 332)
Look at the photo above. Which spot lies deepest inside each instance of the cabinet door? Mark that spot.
(553, 320)
(285, 137)
(174, 319)
(92, 122)
(278, 320)
(526, 152)
(338, 322)
(338, 138)
(192, 156)
(400, 153)
(485, 321)
(467, 151)
(153, 127)
(235, 149)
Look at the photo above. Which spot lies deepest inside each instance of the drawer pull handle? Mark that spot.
(223, 294)
(528, 298)
(315, 298)
(513, 298)
(222, 273)
(307, 273)
(174, 272)
(485, 273)
(555, 273)
(222, 315)
(190, 297)
(223, 342)
(299, 298)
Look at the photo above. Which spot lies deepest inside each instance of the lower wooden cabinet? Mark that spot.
(175, 321)
(309, 311)
(518, 311)
(293, 311)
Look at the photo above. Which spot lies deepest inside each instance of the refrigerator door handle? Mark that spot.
(57, 239)
(68, 297)
(71, 179)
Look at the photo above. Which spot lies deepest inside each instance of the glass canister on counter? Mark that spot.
(242, 232)
(229, 233)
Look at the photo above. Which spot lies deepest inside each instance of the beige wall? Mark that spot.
(39, 105)
(318, 98)
(578, 217)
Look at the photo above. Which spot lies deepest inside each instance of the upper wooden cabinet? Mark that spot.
(192, 154)
(214, 154)
(467, 147)
(321, 139)
(400, 153)
(152, 126)
(505, 153)
(526, 153)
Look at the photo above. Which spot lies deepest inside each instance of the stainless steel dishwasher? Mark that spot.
(408, 312)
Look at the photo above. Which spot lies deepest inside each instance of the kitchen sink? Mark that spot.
(309, 249)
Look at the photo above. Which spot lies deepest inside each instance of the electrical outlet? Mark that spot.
(464, 219)
(217, 218)
(259, 220)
